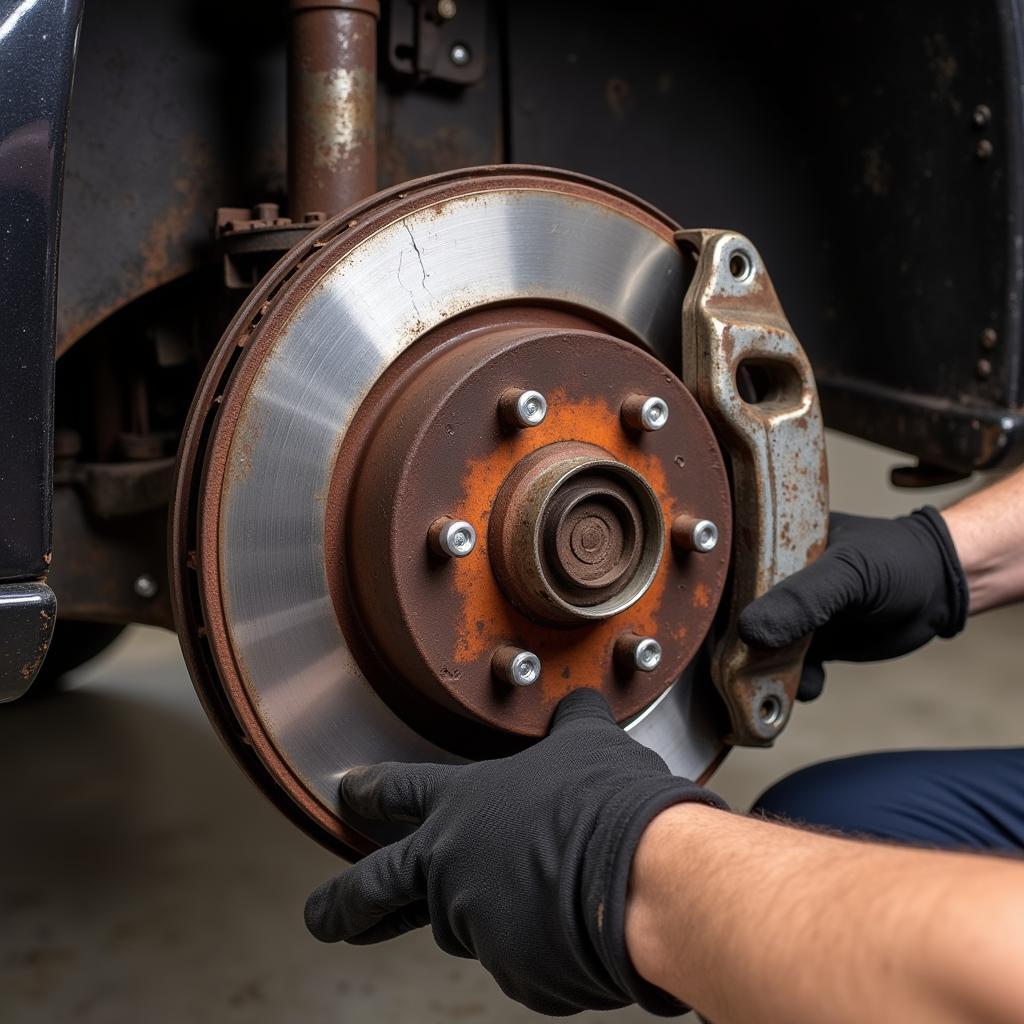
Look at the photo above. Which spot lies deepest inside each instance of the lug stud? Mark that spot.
(519, 408)
(515, 666)
(451, 538)
(637, 653)
(692, 534)
(644, 412)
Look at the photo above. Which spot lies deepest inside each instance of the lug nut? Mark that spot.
(637, 653)
(515, 666)
(452, 538)
(520, 408)
(644, 412)
(691, 534)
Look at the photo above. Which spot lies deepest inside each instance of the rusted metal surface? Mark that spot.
(332, 85)
(437, 446)
(175, 116)
(752, 378)
(575, 536)
(253, 240)
(438, 40)
(96, 562)
(205, 478)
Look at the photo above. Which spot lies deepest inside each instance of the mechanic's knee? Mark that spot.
(843, 795)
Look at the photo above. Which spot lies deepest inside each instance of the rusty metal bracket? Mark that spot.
(438, 40)
(743, 363)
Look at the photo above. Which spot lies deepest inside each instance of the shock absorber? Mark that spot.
(332, 83)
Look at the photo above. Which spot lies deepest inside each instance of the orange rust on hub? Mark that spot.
(571, 659)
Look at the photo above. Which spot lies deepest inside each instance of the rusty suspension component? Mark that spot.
(332, 79)
(744, 364)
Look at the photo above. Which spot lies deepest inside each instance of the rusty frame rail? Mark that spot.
(743, 363)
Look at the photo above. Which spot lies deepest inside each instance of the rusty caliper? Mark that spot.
(747, 370)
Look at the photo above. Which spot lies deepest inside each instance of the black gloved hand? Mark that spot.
(883, 587)
(522, 862)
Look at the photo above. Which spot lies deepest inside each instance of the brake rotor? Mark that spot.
(364, 399)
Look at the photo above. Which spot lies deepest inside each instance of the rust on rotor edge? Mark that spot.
(437, 446)
(198, 612)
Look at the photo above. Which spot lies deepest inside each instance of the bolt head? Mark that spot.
(531, 408)
(644, 412)
(515, 666)
(145, 586)
(705, 536)
(690, 534)
(525, 668)
(456, 538)
(459, 55)
(654, 413)
(521, 409)
(647, 654)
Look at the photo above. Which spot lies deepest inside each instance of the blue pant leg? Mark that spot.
(952, 799)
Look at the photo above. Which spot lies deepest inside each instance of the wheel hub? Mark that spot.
(572, 517)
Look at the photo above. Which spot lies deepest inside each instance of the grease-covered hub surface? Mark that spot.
(425, 490)
(572, 517)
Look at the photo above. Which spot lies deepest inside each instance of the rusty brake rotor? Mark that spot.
(442, 470)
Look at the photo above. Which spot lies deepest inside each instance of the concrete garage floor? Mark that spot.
(143, 879)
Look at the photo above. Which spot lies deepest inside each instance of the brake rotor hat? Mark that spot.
(572, 549)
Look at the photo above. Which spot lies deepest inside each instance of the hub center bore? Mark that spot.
(578, 536)
(593, 534)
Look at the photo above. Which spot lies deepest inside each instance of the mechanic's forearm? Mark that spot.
(988, 531)
(751, 922)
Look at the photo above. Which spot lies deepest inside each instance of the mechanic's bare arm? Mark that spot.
(750, 921)
(988, 531)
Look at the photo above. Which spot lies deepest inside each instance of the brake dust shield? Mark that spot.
(365, 396)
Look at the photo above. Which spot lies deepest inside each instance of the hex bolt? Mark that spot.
(459, 55)
(451, 538)
(522, 408)
(637, 653)
(644, 412)
(145, 586)
(692, 534)
(515, 666)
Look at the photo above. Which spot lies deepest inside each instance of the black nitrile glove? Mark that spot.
(522, 862)
(883, 587)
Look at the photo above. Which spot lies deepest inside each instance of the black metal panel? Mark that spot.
(37, 52)
(872, 151)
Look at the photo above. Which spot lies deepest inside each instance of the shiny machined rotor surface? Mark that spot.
(277, 670)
